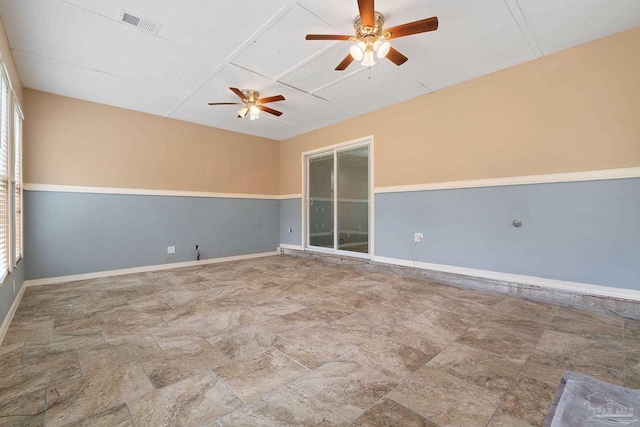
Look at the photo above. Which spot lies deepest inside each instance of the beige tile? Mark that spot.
(118, 352)
(348, 388)
(529, 400)
(550, 368)
(494, 339)
(256, 375)
(93, 393)
(525, 309)
(632, 328)
(355, 329)
(141, 324)
(591, 316)
(505, 420)
(482, 368)
(195, 401)
(113, 417)
(10, 357)
(38, 373)
(287, 406)
(310, 347)
(446, 399)
(586, 329)
(391, 358)
(388, 413)
(34, 330)
(293, 322)
(608, 353)
(244, 342)
(386, 314)
(61, 343)
(179, 363)
(327, 311)
(431, 331)
(465, 307)
(21, 410)
(526, 329)
(278, 307)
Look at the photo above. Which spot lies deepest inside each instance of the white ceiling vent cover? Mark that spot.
(139, 22)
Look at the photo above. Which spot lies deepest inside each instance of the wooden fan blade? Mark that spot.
(225, 103)
(272, 99)
(238, 92)
(345, 63)
(367, 13)
(422, 26)
(396, 57)
(326, 37)
(270, 110)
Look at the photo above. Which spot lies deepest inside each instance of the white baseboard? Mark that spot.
(146, 269)
(577, 287)
(12, 311)
(294, 247)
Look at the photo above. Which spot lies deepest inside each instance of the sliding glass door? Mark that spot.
(338, 200)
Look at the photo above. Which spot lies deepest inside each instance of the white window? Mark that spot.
(17, 183)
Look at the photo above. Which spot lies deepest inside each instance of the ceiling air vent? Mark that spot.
(139, 22)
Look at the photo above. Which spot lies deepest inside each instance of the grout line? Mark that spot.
(215, 374)
(133, 421)
(513, 384)
(319, 401)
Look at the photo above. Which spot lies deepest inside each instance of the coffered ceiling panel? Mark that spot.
(81, 83)
(283, 46)
(558, 25)
(198, 48)
(376, 87)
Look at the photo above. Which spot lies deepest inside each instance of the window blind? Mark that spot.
(4, 177)
(17, 177)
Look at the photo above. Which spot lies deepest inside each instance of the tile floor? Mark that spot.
(286, 341)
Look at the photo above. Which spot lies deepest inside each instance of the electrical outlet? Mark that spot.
(14, 287)
(418, 238)
(171, 249)
(290, 230)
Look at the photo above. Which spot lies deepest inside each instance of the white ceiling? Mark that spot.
(78, 48)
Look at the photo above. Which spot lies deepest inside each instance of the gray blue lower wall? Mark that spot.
(8, 292)
(291, 218)
(587, 232)
(75, 233)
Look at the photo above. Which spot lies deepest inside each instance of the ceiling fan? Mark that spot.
(372, 39)
(252, 103)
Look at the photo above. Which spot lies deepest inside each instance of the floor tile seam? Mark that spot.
(602, 323)
(519, 373)
(216, 375)
(411, 410)
(319, 401)
(133, 421)
(293, 360)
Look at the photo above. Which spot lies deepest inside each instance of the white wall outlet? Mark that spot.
(171, 249)
(418, 238)
(14, 287)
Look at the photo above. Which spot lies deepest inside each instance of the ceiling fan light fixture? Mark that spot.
(368, 60)
(254, 112)
(357, 51)
(382, 48)
(243, 112)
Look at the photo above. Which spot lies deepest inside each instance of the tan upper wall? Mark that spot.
(7, 58)
(72, 142)
(575, 110)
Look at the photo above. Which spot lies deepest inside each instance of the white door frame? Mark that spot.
(354, 143)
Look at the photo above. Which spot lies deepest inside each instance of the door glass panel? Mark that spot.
(321, 184)
(353, 200)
